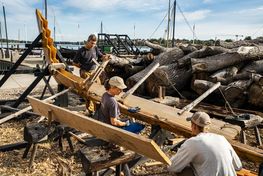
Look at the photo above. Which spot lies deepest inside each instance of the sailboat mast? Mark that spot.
(168, 26)
(173, 41)
(54, 28)
(7, 48)
(46, 9)
(1, 35)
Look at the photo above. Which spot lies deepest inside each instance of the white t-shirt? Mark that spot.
(210, 154)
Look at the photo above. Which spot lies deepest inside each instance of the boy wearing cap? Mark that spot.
(83, 60)
(109, 111)
(205, 154)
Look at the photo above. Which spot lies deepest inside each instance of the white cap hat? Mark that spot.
(117, 82)
(201, 119)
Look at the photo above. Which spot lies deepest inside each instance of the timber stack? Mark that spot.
(193, 69)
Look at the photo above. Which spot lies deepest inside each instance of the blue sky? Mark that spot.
(76, 19)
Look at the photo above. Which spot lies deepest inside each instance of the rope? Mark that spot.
(170, 82)
(227, 103)
(158, 25)
(186, 21)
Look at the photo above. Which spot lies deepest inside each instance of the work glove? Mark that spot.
(127, 123)
(134, 109)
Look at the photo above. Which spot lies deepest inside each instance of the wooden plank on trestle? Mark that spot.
(101, 130)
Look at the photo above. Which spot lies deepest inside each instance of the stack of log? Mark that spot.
(191, 68)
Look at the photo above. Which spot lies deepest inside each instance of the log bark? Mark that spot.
(220, 61)
(214, 63)
(187, 48)
(234, 92)
(251, 52)
(257, 78)
(155, 46)
(122, 61)
(200, 86)
(222, 75)
(169, 76)
(204, 52)
(255, 95)
(254, 66)
(165, 58)
(231, 45)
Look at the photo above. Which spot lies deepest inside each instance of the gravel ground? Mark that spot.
(50, 160)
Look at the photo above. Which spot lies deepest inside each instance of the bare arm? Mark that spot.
(116, 122)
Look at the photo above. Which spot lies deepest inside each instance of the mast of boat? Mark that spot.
(168, 26)
(54, 28)
(173, 41)
(7, 47)
(18, 38)
(194, 34)
(46, 9)
(1, 35)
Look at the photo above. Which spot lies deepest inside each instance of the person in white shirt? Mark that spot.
(205, 154)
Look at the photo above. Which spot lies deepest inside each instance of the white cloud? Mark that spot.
(106, 5)
(194, 16)
(207, 1)
(252, 11)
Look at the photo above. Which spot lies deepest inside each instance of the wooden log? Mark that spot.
(131, 69)
(132, 90)
(187, 48)
(254, 66)
(163, 59)
(251, 52)
(228, 80)
(216, 62)
(204, 52)
(200, 86)
(236, 44)
(234, 92)
(122, 61)
(221, 75)
(155, 46)
(257, 78)
(255, 95)
(101, 130)
(169, 76)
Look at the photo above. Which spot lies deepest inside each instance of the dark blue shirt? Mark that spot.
(84, 57)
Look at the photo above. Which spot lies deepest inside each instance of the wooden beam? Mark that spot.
(168, 119)
(199, 99)
(129, 92)
(101, 130)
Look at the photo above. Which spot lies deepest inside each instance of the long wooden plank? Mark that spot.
(167, 117)
(167, 114)
(101, 130)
